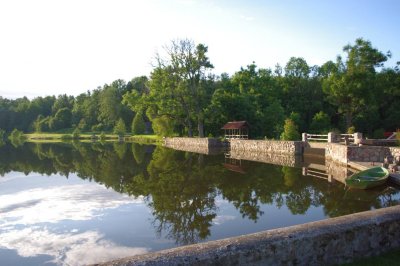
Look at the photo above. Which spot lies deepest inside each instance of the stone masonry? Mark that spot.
(268, 146)
(327, 242)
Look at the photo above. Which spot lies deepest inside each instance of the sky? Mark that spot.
(52, 47)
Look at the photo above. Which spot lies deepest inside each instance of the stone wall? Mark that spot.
(270, 158)
(197, 145)
(336, 152)
(343, 154)
(267, 146)
(327, 242)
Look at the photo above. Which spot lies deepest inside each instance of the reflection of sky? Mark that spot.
(32, 215)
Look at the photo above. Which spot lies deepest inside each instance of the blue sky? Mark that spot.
(53, 47)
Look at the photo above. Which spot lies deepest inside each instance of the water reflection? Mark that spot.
(183, 191)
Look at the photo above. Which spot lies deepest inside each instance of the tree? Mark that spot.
(320, 123)
(138, 125)
(350, 88)
(163, 126)
(177, 84)
(120, 128)
(62, 119)
(290, 131)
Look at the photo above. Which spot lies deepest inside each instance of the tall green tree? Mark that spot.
(120, 128)
(138, 125)
(177, 84)
(350, 88)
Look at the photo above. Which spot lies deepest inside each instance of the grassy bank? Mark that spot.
(88, 136)
(388, 259)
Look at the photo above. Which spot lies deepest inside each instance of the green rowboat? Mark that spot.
(369, 178)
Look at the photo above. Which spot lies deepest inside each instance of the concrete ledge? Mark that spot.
(326, 242)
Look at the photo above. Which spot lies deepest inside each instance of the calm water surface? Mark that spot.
(82, 203)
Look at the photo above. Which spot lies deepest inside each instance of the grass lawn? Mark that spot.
(56, 137)
(388, 259)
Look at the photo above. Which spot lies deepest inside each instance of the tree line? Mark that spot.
(182, 96)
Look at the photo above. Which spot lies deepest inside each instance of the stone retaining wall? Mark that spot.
(336, 152)
(268, 146)
(327, 242)
(197, 145)
(343, 154)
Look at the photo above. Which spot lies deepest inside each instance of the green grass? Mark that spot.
(87, 136)
(391, 258)
(145, 139)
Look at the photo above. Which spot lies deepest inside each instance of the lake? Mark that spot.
(82, 203)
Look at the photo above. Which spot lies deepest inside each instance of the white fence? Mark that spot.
(333, 137)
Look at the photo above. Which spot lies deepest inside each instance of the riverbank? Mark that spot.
(87, 136)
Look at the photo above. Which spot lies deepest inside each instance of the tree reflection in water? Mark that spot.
(181, 188)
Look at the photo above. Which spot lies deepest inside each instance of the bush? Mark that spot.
(378, 133)
(163, 126)
(102, 136)
(120, 128)
(290, 131)
(320, 123)
(351, 130)
(17, 138)
(76, 134)
(66, 137)
(138, 126)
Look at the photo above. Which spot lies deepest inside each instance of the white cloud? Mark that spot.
(68, 248)
(26, 215)
(220, 219)
(64, 202)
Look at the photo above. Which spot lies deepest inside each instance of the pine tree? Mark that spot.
(138, 125)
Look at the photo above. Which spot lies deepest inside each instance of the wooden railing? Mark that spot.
(236, 136)
(347, 137)
(318, 137)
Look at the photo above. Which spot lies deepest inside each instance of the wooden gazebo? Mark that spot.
(236, 130)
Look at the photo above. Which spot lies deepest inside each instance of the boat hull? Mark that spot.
(369, 178)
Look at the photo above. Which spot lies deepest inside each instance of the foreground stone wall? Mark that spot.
(327, 242)
(270, 158)
(197, 145)
(268, 146)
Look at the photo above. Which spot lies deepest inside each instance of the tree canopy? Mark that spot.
(182, 97)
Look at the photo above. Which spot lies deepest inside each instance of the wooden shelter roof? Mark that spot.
(236, 125)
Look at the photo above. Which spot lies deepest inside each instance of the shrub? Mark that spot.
(163, 126)
(66, 137)
(76, 134)
(102, 136)
(320, 123)
(138, 126)
(120, 128)
(351, 130)
(378, 133)
(290, 131)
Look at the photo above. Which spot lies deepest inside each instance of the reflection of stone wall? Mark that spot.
(267, 146)
(270, 158)
(337, 171)
(197, 145)
(327, 242)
